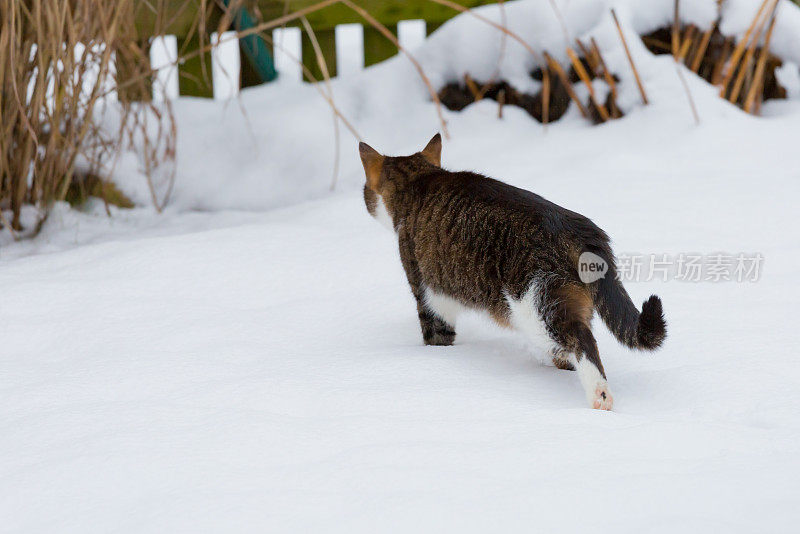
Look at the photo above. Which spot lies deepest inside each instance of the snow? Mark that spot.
(225, 366)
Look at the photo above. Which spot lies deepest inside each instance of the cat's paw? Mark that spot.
(602, 398)
(440, 340)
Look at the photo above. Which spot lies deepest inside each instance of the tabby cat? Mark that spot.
(471, 242)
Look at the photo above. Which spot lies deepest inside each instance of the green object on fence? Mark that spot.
(254, 46)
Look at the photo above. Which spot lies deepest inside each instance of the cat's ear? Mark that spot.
(433, 150)
(373, 165)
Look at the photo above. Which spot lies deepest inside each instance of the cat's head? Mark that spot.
(387, 174)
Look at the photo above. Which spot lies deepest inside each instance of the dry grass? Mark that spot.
(57, 63)
(639, 83)
(743, 69)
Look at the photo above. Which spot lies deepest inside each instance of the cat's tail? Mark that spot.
(645, 330)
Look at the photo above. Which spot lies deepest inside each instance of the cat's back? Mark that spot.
(445, 199)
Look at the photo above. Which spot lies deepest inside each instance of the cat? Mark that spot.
(471, 242)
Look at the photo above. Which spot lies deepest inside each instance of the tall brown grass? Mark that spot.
(57, 63)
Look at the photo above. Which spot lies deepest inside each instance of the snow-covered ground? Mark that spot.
(216, 369)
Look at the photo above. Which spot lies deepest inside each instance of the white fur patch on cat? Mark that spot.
(525, 317)
(382, 214)
(447, 308)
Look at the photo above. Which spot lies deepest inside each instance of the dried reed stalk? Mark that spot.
(744, 66)
(678, 54)
(556, 67)
(687, 43)
(501, 100)
(688, 93)
(545, 95)
(477, 95)
(615, 113)
(323, 67)
(503, 45)
(630, 58)
(561, 21)
(756, 87)
(589, 55)
(717, 74)
(701, 50)
(676, 31)
(584, 76)
(739, 50)
(578, 65)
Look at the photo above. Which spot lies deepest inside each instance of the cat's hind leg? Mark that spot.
(586, 360)
(567, 310)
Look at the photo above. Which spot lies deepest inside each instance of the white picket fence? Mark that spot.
(225, 59)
